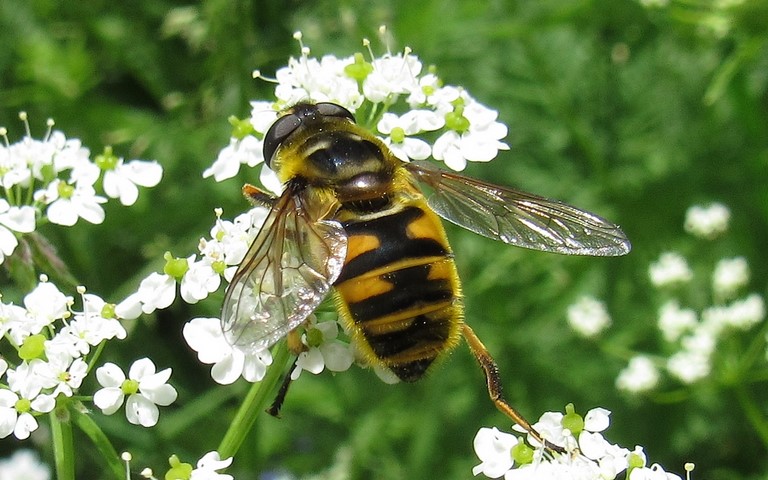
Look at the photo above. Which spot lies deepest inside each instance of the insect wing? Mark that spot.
(519, 218)
(286, 273)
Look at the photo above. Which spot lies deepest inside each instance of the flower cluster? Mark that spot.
(54, 179)
(53, 342)
(690, 334)
(588, 454)
(392, 95)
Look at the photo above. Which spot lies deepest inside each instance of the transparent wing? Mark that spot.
(286, 273)
(519, 218)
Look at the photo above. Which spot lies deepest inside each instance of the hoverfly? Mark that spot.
(353, 220)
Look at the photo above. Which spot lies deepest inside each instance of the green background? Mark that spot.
(634, 113)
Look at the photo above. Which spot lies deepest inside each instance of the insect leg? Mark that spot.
(257, 196)
(495, 390)
(296, 347)
(277, 403)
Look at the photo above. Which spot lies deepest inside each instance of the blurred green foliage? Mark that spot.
(632, 112)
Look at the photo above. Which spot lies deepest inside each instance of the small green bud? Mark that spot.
(178, 470)
(456, 121)
(240, 128)
(48, 173)
(397, 135)
(359, 69)
(174, 266)
(572, 420)
(107, 160)
(219, 266)
(108, 310)
(314, 337)
(33, 347)
(23, 405)
(65, 190)
(522, 454)
(129, 387)
(635, 461)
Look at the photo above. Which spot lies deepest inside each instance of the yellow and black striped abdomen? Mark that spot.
(399, 291)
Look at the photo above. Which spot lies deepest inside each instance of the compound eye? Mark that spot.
(328, 109)
(277, 133)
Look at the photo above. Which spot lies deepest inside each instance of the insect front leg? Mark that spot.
(257, 196)
(495, 390)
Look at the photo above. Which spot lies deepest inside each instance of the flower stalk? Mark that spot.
(255, 402)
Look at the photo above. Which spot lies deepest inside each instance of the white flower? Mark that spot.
(61, 373)
(145, 389)
(88, 329)
(121, 180)
(204, 335)
(689, 366)
(13, 219)
(480, 142)
(157, 291)
(324, 80)
(588, 317)
(671, 268)
(248, 151)
(66, 203)
(200, 280)
(44, 305)
(392, 75)
(494, 449)
(674, 321)
(263, 115)
(640, 375)
(16, 416)
(707, 221)
(324, 351)
(13, 320)
(207, 466)
(129, 308)
(230, 239)
(729, 276)
(740, 314)
(24, 465)
(398, 128)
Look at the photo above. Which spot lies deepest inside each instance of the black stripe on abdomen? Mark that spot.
(394, 242)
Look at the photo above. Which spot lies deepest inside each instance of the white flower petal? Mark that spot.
(110, 375)
(25, 425)
(141, 411)
(141, 368)
(108, 400)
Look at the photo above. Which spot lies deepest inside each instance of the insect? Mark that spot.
(353, 221)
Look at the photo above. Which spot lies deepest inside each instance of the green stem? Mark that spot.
(753, 412)
(63, 447)
(254, 403)
(89, 427)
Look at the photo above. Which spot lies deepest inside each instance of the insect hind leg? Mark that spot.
(493, 380)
